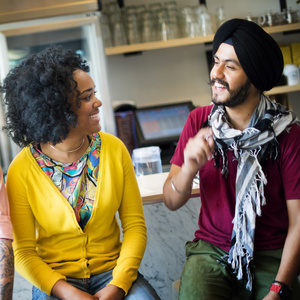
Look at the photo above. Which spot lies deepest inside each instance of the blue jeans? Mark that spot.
(140, 289)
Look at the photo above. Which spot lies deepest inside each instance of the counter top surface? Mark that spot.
(151, 187)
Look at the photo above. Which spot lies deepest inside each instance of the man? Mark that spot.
(247, 152)
(6, 251)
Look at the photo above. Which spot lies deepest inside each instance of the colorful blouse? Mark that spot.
(76, 181)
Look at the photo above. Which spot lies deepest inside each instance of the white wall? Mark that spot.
(181, 73)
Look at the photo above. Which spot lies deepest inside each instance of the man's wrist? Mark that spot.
(282, 289)
(183, 193)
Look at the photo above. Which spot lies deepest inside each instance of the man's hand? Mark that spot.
(272, 296)
(198, 151)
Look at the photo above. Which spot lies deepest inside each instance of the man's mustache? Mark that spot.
(212, 82)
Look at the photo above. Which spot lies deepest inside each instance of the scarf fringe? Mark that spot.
(239, 256)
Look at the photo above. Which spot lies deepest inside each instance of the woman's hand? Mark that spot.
(80, 295)
(65, 291)
(110, 292)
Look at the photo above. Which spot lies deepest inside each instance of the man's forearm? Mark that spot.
(6, 269)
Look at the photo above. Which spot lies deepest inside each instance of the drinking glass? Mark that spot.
(148, 33)
(118, 29)
(162, 24)
(204, 19)
(220, 16)
(133, 32)
(106, 30)
(173, 23)
(189, 26)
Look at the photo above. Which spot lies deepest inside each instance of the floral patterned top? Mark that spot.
(76, 181)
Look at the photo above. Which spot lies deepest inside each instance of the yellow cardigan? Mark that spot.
(48, 241)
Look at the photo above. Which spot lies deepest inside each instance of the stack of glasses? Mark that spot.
(157, 22)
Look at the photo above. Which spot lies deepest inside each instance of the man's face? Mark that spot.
(229, 82)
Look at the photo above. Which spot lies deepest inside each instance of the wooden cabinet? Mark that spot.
(14, 11)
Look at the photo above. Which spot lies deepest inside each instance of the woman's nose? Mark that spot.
(98, 102)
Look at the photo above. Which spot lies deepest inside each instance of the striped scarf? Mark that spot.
(251, 147)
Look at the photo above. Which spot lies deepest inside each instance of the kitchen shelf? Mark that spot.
(186, 41)
(158, 45)
(283, 89)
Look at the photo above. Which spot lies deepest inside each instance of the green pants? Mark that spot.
(204, 278)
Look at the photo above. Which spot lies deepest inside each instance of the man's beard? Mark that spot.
(237, 97)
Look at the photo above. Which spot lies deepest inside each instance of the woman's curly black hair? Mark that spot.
(37, 94)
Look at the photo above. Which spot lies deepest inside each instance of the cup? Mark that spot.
(163, 29)
(173, 23)
(281, 17)
(270, 18)
(147, 160)
(189, 25)
(118, 29)
(220, 16)
(259, 20)
(148, 33)
(292, 16)
(206, 24)
(292, 74)
(106, 33)
(204, 20)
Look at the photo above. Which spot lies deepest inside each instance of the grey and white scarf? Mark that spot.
(250, 146)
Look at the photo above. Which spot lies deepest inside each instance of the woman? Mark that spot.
(67, 184)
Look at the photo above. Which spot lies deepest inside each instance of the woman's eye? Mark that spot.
(91, 95)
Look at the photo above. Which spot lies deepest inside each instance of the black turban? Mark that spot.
(258, 53)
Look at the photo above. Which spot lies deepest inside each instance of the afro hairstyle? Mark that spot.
(37, 96)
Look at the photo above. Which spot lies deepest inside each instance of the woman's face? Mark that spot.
(88, 112)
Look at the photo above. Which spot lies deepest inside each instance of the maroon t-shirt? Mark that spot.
(217, 193)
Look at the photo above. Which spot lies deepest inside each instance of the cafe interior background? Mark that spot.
(167, 68)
